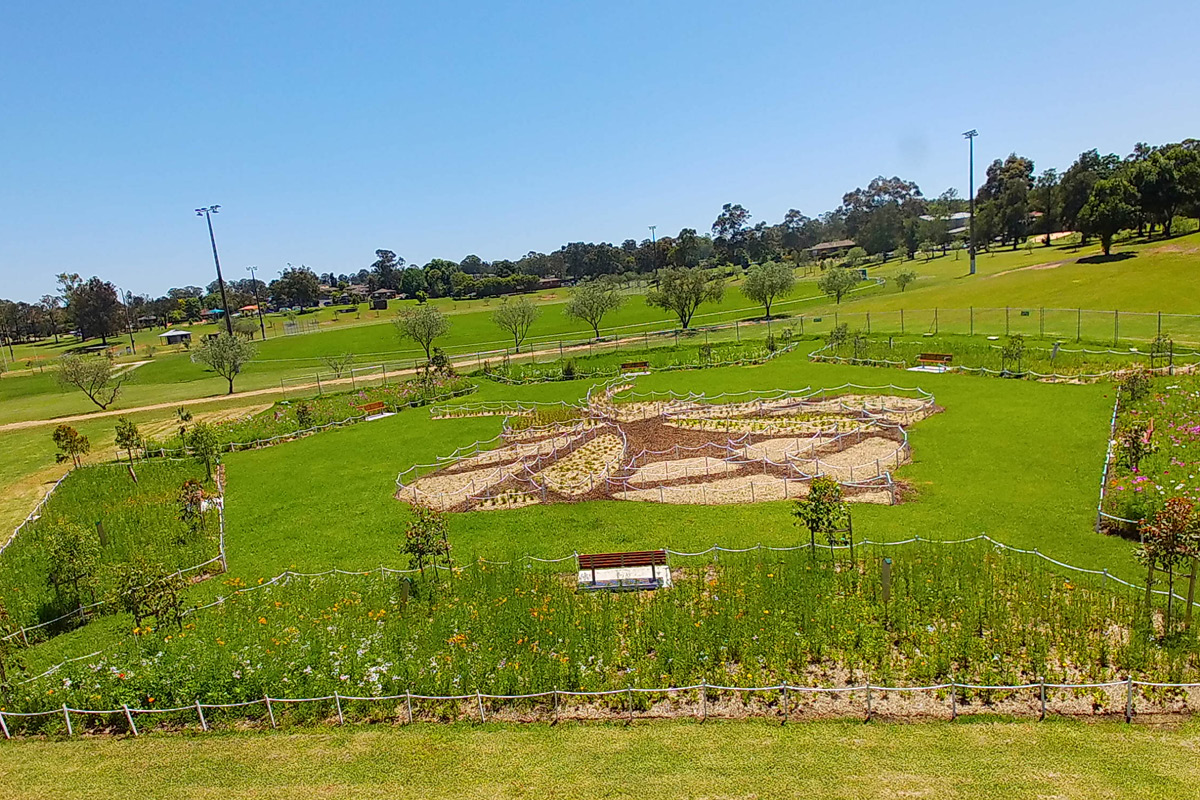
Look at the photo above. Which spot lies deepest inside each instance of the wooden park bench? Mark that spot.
(371, 409)
(623, 572)
(635, 366)
(935, 358)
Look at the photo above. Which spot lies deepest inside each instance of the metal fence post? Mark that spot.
(1128, 699)
(337, 699)
(1042, 697)
(270, 711)
(408, 704)
(629, 703)
(67, 717)
(868, 719)
(1116, 326)
(4, 726)
(704, 699)
(200, 713)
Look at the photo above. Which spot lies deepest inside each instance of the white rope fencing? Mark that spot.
(780, 701)
(616, 371)
(822, 356)
(36, 512)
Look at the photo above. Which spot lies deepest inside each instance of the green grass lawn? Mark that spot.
(1008, 760)
(1016, 460)
(1048, 283)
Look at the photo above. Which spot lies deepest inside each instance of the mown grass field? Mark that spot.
(1142, 278)
(1011, 760)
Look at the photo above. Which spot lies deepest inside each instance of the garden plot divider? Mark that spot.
(701, 701)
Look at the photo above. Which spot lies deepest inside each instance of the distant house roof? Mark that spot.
(838, 245)
(176, 333)
(248, 308)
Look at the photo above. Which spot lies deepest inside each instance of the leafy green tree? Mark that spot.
(682, 291)
(165, 600)
(904, 277)
(423, 324)
(128, 436)
(71, 444)
(189, 504)
(93, 375)
(386, 271)
(413, 283)
(837, 281)
(768, 281)
(205, 446)
(225, 355)
(129, 583)
(1007, 187)
(73, 555)
(729, 233)
(855, 256)
(1075, 186)
(1045, 199)
(245, 327)
(687, 250)
(1013, 352)
(1170, 541)
(296, 286)
(425, 541)
(1109, 210)
(516, 317)
(95, 309)
(591, 301)
(823, 510)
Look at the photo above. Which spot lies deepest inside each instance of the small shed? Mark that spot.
(176, 337)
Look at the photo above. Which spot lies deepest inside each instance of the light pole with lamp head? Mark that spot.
(970, 137)
(207, 214)
(257, 304)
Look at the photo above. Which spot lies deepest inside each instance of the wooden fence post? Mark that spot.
(129, 719)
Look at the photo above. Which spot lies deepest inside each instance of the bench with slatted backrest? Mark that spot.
(630, 366)
(371, 409)
(935, 358)
(623, 572)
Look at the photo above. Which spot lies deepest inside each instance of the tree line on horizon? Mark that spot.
(1097, 196)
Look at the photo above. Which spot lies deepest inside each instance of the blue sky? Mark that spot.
(328, 130)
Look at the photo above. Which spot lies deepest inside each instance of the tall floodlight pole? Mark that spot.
(654, 244)
(257, 304)
(207, 214)
(970, 137)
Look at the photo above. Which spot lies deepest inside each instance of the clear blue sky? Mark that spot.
(328, 130)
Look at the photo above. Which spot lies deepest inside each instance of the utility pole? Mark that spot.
(258, 305)
(970, 137)
(207, 214)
